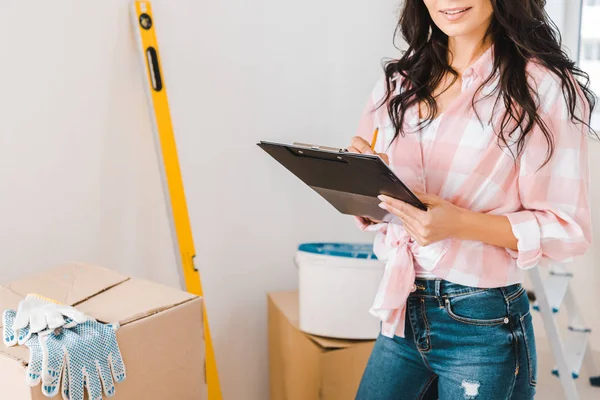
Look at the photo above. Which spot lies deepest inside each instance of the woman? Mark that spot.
(482, 117)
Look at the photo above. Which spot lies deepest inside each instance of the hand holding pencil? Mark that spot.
(361, 146)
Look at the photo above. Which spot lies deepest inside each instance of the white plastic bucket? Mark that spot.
(337, 286)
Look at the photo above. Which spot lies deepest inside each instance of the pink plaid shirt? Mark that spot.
(459, 160)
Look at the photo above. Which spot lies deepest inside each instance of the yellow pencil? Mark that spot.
(374, 139)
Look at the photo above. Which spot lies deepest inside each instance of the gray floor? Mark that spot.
(549, 387)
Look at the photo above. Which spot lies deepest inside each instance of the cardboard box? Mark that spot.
(307, 367)
(161, 334)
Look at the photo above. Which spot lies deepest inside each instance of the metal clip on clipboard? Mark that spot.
(316, 147)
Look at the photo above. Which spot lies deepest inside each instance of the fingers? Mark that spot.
(34, 368)
(74, 314)
(368, 221)
(361, 145)
(117, 367)
(22, 318)
(24, 335)
(363, 221)
(50, 384)
(395, 207)
(383, 156)
(107, 379)
(415, 235)
(407, 219)
(399, 205)
(76, 388)
(412, 232)
(94, 385)
(38, 322)
(53, 363)
(428, 199)
(65, 383)
(9, 336)
(55, 319)
(414, 221)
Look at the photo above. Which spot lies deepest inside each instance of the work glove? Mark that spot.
(92, 355)
(12, 337)
(40, 313)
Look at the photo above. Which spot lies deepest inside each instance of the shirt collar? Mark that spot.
(482, 67)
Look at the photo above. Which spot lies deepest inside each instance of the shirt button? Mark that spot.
(414, 288)
(506, 320)
(468, 73)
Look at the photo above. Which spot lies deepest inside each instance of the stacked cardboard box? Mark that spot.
(307, 367)
(161, 334)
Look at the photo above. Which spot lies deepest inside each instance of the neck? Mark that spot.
(464, 50)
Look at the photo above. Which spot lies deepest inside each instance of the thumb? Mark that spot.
(427, 198)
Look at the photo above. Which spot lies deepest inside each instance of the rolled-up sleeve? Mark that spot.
(554, 222)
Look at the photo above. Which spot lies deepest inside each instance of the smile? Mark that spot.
(453, 14)
(455, 11)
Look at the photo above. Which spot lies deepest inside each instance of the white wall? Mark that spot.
(78, 172)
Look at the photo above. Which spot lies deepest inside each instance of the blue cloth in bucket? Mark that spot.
(349, 250)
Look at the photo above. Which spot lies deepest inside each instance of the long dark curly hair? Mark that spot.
(520, 30)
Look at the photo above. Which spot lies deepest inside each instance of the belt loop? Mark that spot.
(503, 290)
(438, 294)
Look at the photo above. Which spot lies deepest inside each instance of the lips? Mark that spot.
(453, 14)
(455, 11)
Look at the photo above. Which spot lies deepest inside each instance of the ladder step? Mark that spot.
(556, 286)
(555, 373)
(575, 346)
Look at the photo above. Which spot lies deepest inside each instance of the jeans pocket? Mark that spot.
(530, 349)
(486, 307)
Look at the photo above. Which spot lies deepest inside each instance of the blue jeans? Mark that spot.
(461, 342)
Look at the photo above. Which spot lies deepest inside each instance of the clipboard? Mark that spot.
(350, 182)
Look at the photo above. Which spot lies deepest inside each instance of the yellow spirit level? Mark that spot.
(144, 27)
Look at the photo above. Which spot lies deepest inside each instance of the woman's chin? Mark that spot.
(456, 29)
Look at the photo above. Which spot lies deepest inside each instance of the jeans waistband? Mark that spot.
(441, 287)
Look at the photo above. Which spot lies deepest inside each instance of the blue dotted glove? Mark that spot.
(37, 314)
(92, 356)
(11, 337)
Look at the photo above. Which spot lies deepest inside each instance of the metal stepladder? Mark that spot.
(574, 351)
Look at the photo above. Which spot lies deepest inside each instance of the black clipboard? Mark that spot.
(348, 181)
